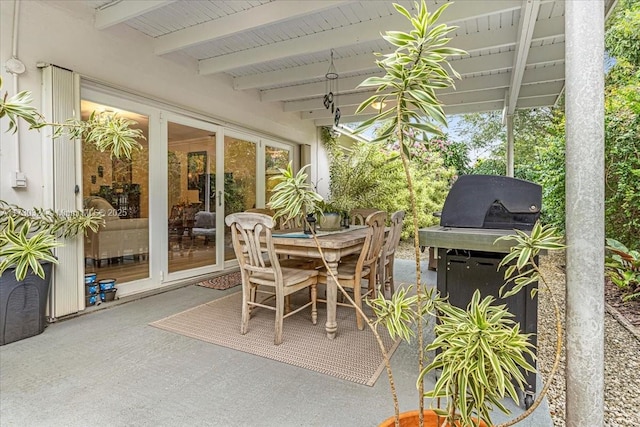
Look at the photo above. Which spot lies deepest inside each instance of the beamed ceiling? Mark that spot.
(281, 49)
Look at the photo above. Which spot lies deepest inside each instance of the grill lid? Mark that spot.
(492, 201)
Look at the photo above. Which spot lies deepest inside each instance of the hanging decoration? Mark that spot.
(330, 99)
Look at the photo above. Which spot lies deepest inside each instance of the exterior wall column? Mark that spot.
(510, 145)
(584, 76)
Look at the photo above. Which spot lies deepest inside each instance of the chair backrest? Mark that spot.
(373, 242)
(265, 211)
(252, 243)
(281, 224)
(393, 238)
(359, 216)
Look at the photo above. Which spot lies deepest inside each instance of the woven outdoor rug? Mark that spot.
(222, 282)
(353, 355)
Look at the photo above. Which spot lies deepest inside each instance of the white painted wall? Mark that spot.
(62, 33)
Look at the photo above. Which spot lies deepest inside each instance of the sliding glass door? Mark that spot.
(276, 156)
(119, 188)
(240, 179)
(165, 207)
(191, 225)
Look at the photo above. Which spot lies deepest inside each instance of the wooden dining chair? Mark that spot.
(263, 276)
(351, 273)
(359, 216)
(388, 253)
(281, 224)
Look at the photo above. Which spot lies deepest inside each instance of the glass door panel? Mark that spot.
(119, 188)
(240, 164)
(191, 191)
(274, 158)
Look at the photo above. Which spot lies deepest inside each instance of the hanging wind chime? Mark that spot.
(331, 92)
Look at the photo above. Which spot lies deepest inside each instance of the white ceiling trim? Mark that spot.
(528, 17)
(500, 61)
(310, 90)
(247, 20)
(487, 40)
(486, 89)
(340, 37)
(116, 13)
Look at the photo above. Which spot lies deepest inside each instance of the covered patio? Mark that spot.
(111, 368)
(263, 65)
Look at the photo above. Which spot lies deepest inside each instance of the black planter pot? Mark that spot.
(23, 304)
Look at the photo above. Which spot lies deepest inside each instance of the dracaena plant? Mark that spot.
(480, 352)
(29, 235)
(23, 250)
(413, 72)
(293, 196)
(107, 131)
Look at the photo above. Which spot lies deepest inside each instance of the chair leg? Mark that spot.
(371, 287)
(314, 306)
(357, 298)
(392, 286)
(279, 317)
(247, 292)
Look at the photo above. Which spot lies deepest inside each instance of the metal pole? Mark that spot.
(584, 76)
(510, 145)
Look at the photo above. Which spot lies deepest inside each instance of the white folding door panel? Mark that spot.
(61, 189)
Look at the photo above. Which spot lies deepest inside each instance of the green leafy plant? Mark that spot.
(623, 268)
(107, 131)
(372, 174)
(24, 251)
(526, 271)
(29, 236)
(293, 197)
(481, 350)
(62, 226)
(412, 74)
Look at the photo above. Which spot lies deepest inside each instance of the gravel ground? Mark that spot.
(622, 353)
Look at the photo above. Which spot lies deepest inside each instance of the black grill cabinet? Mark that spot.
(478, 210)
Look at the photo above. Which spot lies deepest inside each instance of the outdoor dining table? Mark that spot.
(335, 245)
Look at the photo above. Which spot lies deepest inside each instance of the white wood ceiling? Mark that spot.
(282, 48)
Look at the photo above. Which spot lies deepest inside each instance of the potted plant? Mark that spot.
(293, 197)
(474, 377)
(28, 237)
(412, 73)
(329, 216)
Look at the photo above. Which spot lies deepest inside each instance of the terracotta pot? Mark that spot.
(410, 419)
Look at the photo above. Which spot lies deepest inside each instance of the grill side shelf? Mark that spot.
(475, 239)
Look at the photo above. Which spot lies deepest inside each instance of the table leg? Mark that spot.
(332, 295)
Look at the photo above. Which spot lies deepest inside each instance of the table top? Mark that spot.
(327, 240)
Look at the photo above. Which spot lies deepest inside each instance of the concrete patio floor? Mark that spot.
(110, 368)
